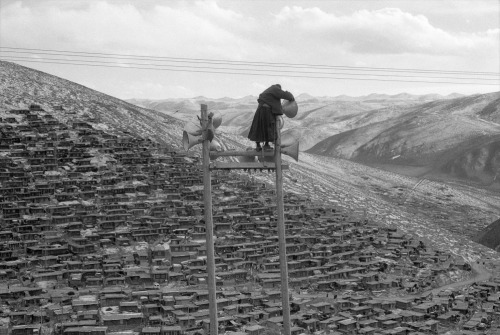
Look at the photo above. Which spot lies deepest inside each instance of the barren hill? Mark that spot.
(21, 86)
(455, 139)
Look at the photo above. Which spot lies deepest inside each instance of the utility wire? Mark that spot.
(227, 62)
(245, 69)
(249, 73)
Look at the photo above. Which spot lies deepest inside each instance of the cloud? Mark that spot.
(185, 30)
(269, 32)
(204, 29)
(383, 31)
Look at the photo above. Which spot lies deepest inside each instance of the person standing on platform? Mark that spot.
(263, 128)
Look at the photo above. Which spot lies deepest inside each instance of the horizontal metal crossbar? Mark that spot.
(249, 153)
(246, 165)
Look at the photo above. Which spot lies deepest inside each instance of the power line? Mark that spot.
(248, 73)
(19, 58)
(249, 63)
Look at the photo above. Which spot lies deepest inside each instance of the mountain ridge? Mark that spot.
(306, 96)
(323, 116)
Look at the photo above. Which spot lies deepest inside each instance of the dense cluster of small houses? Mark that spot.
(102, 233)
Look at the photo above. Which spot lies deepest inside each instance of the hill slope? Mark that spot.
(444, 215)
(455, 138)
(22, 86)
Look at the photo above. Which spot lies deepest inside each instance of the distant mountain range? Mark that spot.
(318, 118)
(453, 137)
(305, 97)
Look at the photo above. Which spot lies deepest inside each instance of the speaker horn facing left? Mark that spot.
(189, 141)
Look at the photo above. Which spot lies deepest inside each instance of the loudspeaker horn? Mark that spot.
(217, 120)
(214, 146)
(292, 151)
(192, 129)
(290, 108)
(188, 140)
(290, 137)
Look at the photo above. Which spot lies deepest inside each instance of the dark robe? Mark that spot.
(263, 128)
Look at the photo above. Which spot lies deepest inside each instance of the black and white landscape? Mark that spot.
(414, 152)
(429, 167)
(439, 190)
(391, 212)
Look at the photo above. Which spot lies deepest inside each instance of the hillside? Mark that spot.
(449, 139)
(445, 215)
(21, 86)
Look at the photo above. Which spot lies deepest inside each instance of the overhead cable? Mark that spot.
(232, 62)
(267, 73)
(169, 66)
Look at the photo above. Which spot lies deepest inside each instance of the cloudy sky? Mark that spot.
(167, 49)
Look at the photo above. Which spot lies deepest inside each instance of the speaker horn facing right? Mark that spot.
(291, 150)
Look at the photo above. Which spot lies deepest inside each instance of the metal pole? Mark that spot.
(281, 231)
(209, 226)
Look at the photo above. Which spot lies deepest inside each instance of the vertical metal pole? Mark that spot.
(281, 231)
(209, 226)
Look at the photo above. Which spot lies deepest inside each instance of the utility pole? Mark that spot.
(207, 134)
(209, 226)
(285, 303)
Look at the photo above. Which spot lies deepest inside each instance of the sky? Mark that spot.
(237, 48)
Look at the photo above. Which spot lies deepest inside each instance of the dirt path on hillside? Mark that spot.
(481, 274)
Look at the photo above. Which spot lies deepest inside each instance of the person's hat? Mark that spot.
(290, 108)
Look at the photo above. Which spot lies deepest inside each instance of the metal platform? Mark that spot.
(249, 153)
(246, 165)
